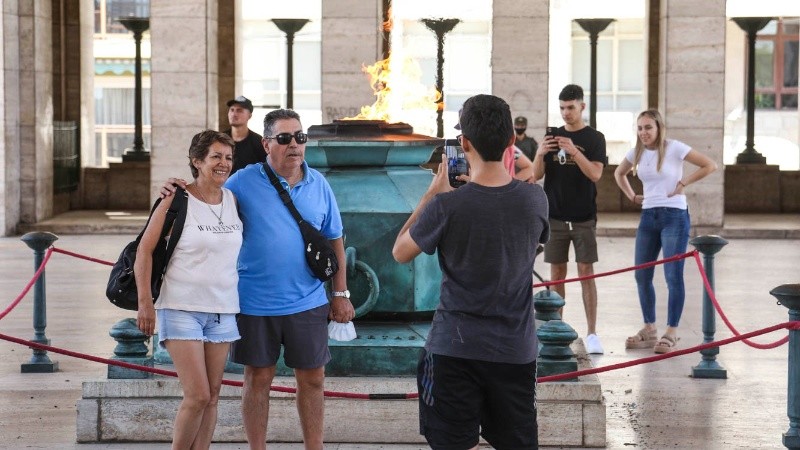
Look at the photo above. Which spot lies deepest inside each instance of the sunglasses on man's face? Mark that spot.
(286, 138)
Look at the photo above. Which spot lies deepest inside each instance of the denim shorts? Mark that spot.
(196, 326)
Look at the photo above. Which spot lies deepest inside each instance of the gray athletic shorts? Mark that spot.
(304, 337)
(583, 235)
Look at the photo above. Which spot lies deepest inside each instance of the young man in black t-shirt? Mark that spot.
(571, 161)
(249, 148)
(477, 373)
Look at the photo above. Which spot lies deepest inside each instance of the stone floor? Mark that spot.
(653, 406)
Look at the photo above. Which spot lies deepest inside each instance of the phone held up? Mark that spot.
(456, 162)
(562, 154)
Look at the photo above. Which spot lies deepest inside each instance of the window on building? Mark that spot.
(106, 13)
(620, 65)
(114, 118)
(776, 64)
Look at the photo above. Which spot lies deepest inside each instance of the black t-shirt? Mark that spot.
(486, 238)
(571, 194)
(247, 151)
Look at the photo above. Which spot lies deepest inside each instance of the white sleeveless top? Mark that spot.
(202, 275)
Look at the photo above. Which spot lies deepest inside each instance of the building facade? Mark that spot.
(684, 57)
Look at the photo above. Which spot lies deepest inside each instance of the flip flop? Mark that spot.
(642, 339)
(666, 344)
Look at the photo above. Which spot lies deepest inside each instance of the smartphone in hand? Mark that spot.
(456, 162)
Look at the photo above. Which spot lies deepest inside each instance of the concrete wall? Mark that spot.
(691, 82)
(350, 38)
(184, 98)
(520, 71)
(26, 151)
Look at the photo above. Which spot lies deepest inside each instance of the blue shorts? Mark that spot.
(196, 326)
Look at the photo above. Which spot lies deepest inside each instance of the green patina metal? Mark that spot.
(377, 179)
(547, 303)
(555, 355)
(131, 348)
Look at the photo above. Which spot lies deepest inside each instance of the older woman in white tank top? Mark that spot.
(196, 309)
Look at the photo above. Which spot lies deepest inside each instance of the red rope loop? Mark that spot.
(30, 284)
(728, 323)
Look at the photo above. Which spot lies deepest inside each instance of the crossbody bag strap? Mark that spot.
(287, 200)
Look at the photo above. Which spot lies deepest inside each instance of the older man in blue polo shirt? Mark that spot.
(282, 303)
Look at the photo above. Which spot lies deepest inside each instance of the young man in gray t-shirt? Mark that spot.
(477, 374)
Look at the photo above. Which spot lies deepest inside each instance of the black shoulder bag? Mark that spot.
(318, 249)
(121, 289)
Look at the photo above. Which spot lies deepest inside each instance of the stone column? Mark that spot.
(227, 57)
(27, 99)
(520, 70)
(183, 79)
(9, 118)
(692, 93)
(350, 38)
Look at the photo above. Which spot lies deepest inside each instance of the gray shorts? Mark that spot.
(304, 337)
(583, 235)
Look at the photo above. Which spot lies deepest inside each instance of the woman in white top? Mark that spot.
(664, 224)
(197, 306)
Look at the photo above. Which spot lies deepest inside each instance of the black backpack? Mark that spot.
(121, 289)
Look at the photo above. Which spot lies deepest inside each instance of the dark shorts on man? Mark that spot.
(583, 235)
(304, 337)
(462, 399)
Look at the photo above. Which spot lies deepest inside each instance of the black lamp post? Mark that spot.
(138, 25)
(751, 25)
(440, 27)
(594, 27)
(290, 27)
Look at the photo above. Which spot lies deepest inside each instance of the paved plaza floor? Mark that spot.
(652, 406)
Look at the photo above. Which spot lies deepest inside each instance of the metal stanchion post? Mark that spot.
(709, 367)
(788, 295)
(39, 363)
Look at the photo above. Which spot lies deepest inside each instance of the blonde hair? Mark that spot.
(660, 138)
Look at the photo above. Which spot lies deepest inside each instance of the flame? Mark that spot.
(400, 95)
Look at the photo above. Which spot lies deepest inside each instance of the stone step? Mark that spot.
(570, 414)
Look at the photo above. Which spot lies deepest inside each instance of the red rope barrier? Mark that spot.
(171, 373)
(79, 256)
(29, 285)
(614, 272)
(717, 306)
(672, 354)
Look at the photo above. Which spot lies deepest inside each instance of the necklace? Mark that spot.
(221, 204)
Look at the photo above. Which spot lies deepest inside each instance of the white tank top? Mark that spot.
(201, 274)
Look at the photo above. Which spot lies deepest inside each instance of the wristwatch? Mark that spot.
(345, 293)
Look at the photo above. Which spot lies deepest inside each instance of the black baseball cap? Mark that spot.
(242, 100)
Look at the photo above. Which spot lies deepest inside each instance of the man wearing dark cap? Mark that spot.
(527, 144)
(249, 149)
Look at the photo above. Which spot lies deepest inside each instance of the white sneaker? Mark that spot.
(593, 345)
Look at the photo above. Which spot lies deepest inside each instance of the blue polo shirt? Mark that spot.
(274, 278)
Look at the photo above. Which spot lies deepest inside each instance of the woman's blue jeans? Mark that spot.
(666, 230)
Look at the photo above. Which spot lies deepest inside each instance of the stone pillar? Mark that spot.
(183, 93)
(350, 37)
(520, 70)
(226, 59)
(87, 116)
(692, 93)
(27, 99)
